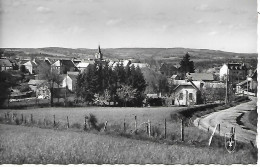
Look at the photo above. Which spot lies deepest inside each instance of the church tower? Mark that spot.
(99, 55)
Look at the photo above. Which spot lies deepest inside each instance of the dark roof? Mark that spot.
(190, 83)
(236, 66)
(202, 76)
(68, 63)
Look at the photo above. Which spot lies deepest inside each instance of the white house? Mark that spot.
(30, 66)
(82, 66)
(140, 65)
(67, 81)
(186, 94)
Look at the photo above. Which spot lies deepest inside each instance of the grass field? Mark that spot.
(31, 145)
(114, 115)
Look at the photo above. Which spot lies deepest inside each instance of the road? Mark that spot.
(230, 118)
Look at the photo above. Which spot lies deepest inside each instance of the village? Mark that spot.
(185, 88)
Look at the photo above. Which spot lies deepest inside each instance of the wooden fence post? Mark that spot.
(149, 128)
(31, 118)
(135, 124)
(165, 131)
(54, 123)
(68, 124)
(105, 127)
(219, 129)
(44, 120)
(210, 139)
(124, 126)
(85, 123)
(5, 116)
(182, 130)
(22, 118)
(25, 119)
(12, 117)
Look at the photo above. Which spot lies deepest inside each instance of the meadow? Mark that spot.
(30, 145)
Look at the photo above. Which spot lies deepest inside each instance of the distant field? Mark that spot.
(29, 145)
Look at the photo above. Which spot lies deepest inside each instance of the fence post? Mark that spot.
(31, 118)
(54, 123)
(25, 119)
(210, 139)
(182, 130)
(105, 127)
(12, 117)
(68, 124)
(219, 129)
(149, 128)
(85, 123)
(44, 120)
(5, 115)
(135, 124)
(165, 132)
(124, 126)
(22, 117)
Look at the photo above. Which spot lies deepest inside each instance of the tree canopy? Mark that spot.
(186, 65)
(100, 80)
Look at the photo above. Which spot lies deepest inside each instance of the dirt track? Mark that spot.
(230, 118)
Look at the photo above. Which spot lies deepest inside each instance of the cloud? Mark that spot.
(212, 33)
(207, 8)
(113, 22)
(43, 9)
(75, 30)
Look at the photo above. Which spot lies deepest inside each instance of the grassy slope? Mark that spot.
(33, 145)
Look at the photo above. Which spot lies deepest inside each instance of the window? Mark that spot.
(190, 96)
(181, 96)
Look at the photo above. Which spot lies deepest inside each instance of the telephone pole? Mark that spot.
(226, 98)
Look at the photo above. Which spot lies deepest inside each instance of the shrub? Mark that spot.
(76, 126)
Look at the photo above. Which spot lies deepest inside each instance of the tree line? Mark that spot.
(121, 85)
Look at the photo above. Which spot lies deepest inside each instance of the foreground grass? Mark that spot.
(24, 145)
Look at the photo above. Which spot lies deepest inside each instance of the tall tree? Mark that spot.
(51, 75)
(186, 65)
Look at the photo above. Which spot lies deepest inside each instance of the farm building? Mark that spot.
(187, 93)
(5, 64)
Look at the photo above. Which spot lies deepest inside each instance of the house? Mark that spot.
(5, 64)
(235, 71)
(69, 81)
(186, 94)
(82, 66)
(140, 65)
(250, 84)
(63, 66)
(31, 66)
(173, 78)
(206, 77)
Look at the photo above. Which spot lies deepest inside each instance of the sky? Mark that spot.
(228, 25)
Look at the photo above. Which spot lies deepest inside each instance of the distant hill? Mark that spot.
(140, 53)
(204, 58)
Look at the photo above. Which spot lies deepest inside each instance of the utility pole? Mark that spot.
(226, 98)
(65, 100)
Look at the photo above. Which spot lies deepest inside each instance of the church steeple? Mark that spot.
(100, 53)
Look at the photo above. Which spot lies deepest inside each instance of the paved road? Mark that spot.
(227, 119)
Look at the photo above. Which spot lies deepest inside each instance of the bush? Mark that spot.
(76, 126)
